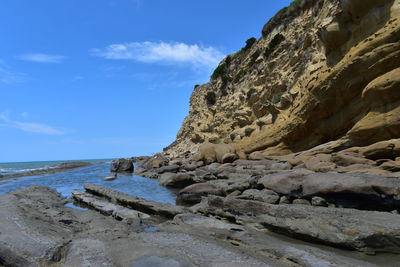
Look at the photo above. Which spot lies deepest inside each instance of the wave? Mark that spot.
(12, 170)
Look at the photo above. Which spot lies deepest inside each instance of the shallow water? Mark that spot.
(65, 182)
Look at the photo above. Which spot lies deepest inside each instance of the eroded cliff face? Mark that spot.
(323, 70)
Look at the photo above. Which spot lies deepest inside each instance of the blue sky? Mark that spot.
(84, 79)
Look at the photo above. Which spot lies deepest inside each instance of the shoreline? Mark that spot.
(222, 207)
(64, 166)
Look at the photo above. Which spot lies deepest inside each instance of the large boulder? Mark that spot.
(122, 165)
(157, 162)
(210, 153)
(193, 193)
(363, 191)
(177, 180)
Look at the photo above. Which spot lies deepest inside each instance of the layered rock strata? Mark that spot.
(323, 70)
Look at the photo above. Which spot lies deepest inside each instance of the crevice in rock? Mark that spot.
(304, 237)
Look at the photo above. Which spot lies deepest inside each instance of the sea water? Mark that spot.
(65, 182)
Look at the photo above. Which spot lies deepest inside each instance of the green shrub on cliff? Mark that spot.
(249, 43)
(285, 14)
(278, 38)
(219, 71)
(276, 98)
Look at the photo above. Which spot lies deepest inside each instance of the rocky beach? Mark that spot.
(290, 156)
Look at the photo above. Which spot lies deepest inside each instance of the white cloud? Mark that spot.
(7, 76)
(30, 127)
(162, 52)
(42, 58)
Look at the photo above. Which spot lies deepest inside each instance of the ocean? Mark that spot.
(65, 182)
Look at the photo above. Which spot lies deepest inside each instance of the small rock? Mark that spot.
(214, 165)
(319, 201)
(300, 201)
(284, 200)
(281, 166)
(110, 177)
(256, 156)
(265, 195)
(235, 193)
(234, 242)
(320, 163)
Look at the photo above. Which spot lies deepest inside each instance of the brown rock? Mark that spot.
(348, 61)
(320, 163)
(393, 166)
(157, 163)
(350, 158)
(382, 150)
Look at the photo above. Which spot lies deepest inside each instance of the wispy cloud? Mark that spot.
(30, 127)
(7, 76)
(42, 58)
(10, 77)
(163, 52)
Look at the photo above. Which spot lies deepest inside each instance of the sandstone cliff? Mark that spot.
(323, 70)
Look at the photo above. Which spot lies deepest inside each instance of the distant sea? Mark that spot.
(65, 182)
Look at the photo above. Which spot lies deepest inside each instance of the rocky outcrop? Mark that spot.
(122, 165)
(109, 209)
(36, 229)
(136, 203)
(362, 191)
(323, 70)
(345, 228)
